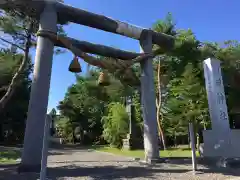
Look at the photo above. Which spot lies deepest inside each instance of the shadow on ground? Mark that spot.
(77, 146)
(8, 172)
(14, 152)
(106, 172)
(208, 162)
(109, 172)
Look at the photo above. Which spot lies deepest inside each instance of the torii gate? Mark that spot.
(51, 12)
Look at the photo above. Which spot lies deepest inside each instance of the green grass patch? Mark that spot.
(172, 152)
(9, 156)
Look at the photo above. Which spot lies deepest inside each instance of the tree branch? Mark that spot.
(2, 39)
(11, 88)
(3, 88)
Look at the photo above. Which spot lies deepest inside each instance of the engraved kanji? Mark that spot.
(218, 82)
(223, 115)
(220, 98)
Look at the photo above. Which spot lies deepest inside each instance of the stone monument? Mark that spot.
(220, 141)
(133, 141)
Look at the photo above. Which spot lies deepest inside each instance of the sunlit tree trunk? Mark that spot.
(158, 105)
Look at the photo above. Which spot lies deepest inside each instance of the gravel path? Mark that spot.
(82, 164)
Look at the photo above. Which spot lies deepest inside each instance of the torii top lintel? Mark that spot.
(68, 13)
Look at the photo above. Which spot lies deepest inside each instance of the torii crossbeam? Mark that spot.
(51, 12)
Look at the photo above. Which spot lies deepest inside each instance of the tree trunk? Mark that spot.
(204, 125)
(197, 135)
(198, 140)
(158, 105)
(1, 133)
(160, 130)
(175, 140)
(15, 80)
(189, 142)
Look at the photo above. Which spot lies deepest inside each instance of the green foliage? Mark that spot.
(84, 104)
(115, 124)
(9, 156)
(182, 79)
(137, 109)
(182, 85)
(166, 25)
(18, 27)
(186, 102)
(13, 117)
(65, 129)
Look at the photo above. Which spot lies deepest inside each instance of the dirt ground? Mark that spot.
(76, 164)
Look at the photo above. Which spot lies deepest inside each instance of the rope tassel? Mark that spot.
(75, 66)
(110, 64)
(103, 79)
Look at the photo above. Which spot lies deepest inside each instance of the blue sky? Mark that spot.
(210, 20)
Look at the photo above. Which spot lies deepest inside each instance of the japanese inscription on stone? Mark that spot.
(216, 94)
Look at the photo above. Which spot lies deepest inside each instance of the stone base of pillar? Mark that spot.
(153, 160)
(25, 168)
(220, 162)
(221, 149)
(131, 143)
(221, 144)
(228, 162)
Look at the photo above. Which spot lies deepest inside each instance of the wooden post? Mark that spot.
(148, 102)
(45, 148)
(192, 139)
(129, 111)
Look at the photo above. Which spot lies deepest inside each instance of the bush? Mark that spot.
(115, 124)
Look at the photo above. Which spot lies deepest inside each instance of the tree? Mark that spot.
(168, 27)
(115, 124)
(53, 113)
(15, 80)
(229, 53)
(21, 29)
(65, 129)
(187, 99)
(13, 117)
(54, 118)
(187, 88)
(179, 81)
(84, 105)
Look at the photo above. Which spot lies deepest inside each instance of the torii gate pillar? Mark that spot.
(148, 97)
(38, 103)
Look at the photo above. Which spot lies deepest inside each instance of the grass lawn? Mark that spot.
(172, 152)
(9, 156)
